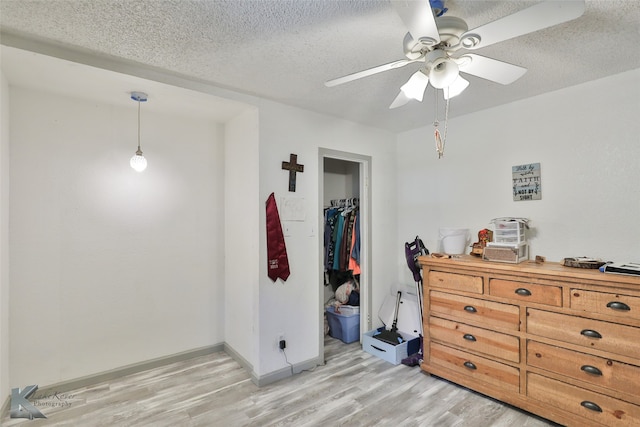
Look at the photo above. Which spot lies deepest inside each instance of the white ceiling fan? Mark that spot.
(433, 39)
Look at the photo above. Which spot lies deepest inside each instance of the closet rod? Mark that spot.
(345, 203)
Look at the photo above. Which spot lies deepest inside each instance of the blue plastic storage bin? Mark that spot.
(343, 327)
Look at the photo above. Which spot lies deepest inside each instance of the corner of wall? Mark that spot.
(4, 239)
(289, 371)
(241, 177)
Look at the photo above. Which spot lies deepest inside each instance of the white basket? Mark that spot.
(501, 252)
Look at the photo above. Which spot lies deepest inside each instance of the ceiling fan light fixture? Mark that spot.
(415, 86)
(442, 70)
(443, 73)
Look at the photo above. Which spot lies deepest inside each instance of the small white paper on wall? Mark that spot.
(292, 209)
(527, 183)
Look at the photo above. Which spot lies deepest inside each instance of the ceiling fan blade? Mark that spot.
(456, 88)
(418, 17)
(369, 72)
(400, 100)
(490, 69)
(534, 18)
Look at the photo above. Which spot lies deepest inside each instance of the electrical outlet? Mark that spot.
(280, 339)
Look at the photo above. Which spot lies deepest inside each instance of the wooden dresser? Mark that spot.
(560, 342)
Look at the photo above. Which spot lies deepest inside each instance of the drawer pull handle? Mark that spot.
(470, 309)
(469, 365)
(378, 348)
(591, 406)
(591, 333)
(523, 292)
(469, 337)
(616, 305)
(591, 370)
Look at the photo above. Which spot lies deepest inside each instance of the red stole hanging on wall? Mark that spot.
(277, 260)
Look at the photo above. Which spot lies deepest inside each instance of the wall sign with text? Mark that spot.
(527, 184)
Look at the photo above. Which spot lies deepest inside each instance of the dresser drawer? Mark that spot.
(458, 282)
(476, 367)
(585, 367)
(619, 305)
(597, 334)
(592, 406)
(476, 311)
(541, 294)
(476, 339)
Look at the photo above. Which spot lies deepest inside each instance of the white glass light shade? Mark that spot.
(138, 162)
(443, 73)
(455, 88)
(415, 86)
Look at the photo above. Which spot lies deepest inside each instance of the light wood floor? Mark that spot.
(353, 388)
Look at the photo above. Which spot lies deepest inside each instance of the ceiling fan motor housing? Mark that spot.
(450, 29)
(416, 49)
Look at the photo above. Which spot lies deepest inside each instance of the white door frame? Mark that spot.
(365, 237)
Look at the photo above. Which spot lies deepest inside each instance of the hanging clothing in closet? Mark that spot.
(342, 241)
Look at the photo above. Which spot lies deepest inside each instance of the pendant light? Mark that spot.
(138, 162)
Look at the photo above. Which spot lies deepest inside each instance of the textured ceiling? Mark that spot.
(284, 50)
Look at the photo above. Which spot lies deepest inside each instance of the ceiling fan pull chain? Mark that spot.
(440, 140)
(439, 144)
(436, 131)
(446, 126)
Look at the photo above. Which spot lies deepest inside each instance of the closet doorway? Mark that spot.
(346, 175)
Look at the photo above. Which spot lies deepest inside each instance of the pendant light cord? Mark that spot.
(139, 126)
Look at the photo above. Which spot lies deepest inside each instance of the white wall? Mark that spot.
(110, 267)
(293, 307)
(4, 239)
(341, 180)
(586, 139)
(242, 252)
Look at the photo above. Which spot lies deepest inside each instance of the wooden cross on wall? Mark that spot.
(292, 166)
